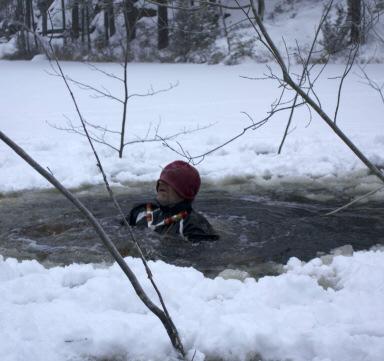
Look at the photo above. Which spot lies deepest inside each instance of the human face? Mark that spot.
(166, 195)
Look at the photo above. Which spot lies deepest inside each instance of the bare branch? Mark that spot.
(351, 59)
(108, 74)
(186, 155)
(152, 92)
(246, 12)
(305, 74)
(76, 130)
(354, 201)
(158, 138)
(287, 78)
(373, 84)
(101, 93)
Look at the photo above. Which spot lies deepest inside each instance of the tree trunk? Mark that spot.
(261, 9)
(19, 11)
(34, 26)
(28, 15)
(20, 17)
(106, 26)
(43, 7)
(63, 19)
(44, 22)
(75, 20)
(162, 25)
(82, 24)
(225, 27)
(130, 16)
(88, 25)
(355, 19)
(111, 18)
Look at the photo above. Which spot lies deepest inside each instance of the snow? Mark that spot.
(7, 48)
(313, 158)
(83, 312)
(327, 309)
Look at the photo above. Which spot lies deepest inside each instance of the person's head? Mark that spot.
(178, 181)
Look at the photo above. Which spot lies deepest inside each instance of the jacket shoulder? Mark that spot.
(197, 228)
(134, 215)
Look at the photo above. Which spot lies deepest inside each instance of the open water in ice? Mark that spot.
(257, 233)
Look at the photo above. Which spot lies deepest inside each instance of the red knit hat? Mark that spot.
(182, 177)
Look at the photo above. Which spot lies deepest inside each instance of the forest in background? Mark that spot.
(170, 30)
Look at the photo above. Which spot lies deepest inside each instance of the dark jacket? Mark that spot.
(178, 220)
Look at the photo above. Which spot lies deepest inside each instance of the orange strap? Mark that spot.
(177, 217)
(166, 221)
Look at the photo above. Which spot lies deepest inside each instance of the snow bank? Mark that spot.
(326, 309)
(313, 157)
(8, 48)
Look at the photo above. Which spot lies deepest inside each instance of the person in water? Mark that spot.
(172, 213)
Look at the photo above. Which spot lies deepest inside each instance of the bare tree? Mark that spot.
(99, 133)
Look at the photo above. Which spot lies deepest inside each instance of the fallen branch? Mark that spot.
(104, 238)
(354, 201)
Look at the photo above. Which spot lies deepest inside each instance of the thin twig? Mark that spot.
(351, 60)
(186, 155)
(108, 74)
(152, 92)
(373, 84)
(303, 74)
(354, 201)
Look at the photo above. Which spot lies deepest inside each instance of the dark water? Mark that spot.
(256, 232)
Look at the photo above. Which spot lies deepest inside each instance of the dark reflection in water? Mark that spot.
(256, 233)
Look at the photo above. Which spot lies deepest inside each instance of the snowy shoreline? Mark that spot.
(211, 96)
(327, 309)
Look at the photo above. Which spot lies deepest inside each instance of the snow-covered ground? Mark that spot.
(312, 158)
(327, 309)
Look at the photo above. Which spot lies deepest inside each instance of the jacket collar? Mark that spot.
(176, 208)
